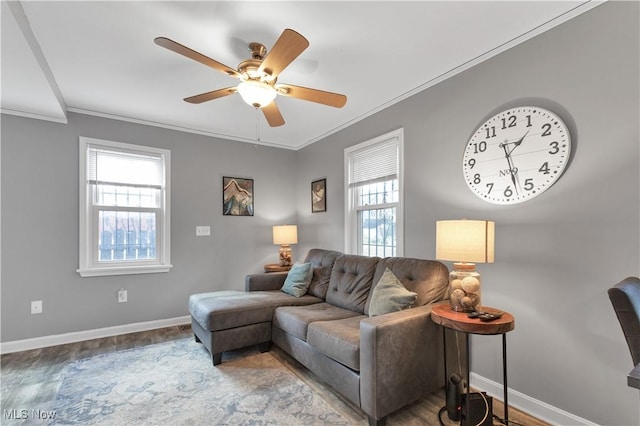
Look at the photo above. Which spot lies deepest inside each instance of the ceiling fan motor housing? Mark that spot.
(250, 68)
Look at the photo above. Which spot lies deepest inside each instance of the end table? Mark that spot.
(275, 267)
(443, 315)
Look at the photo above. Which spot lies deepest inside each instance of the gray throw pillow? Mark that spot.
(389, 295)
(298, 279)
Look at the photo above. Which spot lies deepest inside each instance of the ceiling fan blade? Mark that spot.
(284, 51)
(314, 95)
(209, 96)
(273, 115)
(192, 54)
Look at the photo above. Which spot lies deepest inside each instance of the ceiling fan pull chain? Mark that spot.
(257, 125)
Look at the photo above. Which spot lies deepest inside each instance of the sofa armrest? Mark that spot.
(264, 282)
(401, 360)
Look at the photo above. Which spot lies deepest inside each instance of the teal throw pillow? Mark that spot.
(389, 295)
(298, 279)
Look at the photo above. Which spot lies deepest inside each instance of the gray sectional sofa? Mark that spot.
(380, 363)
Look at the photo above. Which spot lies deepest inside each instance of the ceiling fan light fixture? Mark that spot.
(256, 93)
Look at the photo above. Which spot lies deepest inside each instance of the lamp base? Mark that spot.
(285, 255)
(464, 284)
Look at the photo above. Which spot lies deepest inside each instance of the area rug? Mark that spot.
(174, 383)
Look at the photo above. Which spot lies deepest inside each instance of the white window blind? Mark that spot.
(375, 163)
(124, 168)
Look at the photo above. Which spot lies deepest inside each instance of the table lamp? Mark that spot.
(465, 242)
(285, 235)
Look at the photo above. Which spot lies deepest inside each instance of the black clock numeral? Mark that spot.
(547, 129)
(476, 178)
(479, 147)
(491, 132)
(544, 169)
(471, 162)
(490, 186)
(512, 122)
(528, 121)
(556, 148)
(508, 192)
(528, 184)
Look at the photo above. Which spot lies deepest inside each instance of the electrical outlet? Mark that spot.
(203, 231)
(36, 307)
(122, 295)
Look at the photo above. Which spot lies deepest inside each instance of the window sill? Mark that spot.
(123, 270)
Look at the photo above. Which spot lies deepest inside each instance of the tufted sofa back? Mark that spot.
(322, 262)
(350, 281)
(428, 278)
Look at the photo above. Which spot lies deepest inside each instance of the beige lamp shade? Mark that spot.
(285, 234)
(465, 240)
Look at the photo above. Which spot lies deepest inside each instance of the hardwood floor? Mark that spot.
(30, 379)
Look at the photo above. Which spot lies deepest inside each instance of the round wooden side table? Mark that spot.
(443, 315)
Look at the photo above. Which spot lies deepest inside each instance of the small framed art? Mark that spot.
(319, 196)
(237, 196)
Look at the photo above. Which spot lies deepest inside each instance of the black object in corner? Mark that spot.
(480, 410)
(454, 390)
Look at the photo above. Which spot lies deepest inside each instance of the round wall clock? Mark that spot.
(516, 155)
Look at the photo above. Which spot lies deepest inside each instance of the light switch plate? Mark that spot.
(203, 231)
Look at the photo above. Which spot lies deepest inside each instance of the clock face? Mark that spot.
(516, 155)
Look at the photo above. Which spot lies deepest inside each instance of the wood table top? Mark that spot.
(443, 315)
(276, 267)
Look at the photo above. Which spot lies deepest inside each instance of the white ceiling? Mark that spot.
(99, 57)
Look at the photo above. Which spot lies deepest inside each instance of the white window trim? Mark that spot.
(351, 217)
(87, 266)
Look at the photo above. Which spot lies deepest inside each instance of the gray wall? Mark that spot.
(556, 255)
(40, 225)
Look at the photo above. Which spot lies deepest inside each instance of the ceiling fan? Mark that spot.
(258, 86)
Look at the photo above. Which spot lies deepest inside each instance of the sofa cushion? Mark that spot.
(350, 282)
(296, 319)
(338, 339)
(389, 295)
(427, 278)
(221, 310)
(322, 261)
(298, 279)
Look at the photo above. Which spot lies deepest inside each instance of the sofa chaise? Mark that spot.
(379, 363)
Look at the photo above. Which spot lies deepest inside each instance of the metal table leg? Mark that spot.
(468, 402)
(444, 344)
(504, 377)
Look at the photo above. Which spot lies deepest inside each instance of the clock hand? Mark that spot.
(517, 143)
(507, 154)
(513, 172)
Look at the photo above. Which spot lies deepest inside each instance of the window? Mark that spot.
(124, 208)
(374, 195)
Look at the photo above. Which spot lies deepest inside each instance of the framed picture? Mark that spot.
(319, 196)
(237, 196)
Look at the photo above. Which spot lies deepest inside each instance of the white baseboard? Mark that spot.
(527, 404)
(79, 336)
